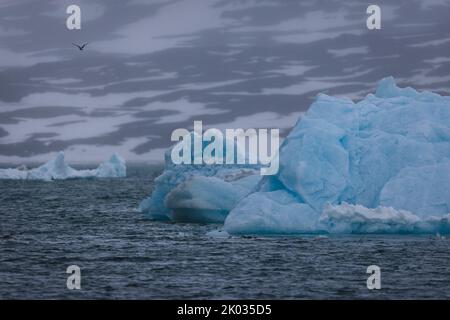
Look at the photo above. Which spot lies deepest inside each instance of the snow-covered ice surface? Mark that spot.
(347, 218)
(381, 165)
(57, 169)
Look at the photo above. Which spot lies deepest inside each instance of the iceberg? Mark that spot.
(13, 174)
(381, 165)
(274, 212)
(207, 199)
(115, 167)
(57, 169)
(198, 193)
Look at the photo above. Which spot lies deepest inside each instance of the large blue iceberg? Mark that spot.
(381, 165)
(57, 169)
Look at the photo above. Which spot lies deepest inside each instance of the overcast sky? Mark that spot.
(152, 66)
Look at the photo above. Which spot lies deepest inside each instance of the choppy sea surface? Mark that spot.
(47, 226)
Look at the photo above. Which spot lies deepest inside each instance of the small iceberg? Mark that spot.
(57, 169)
(198, 193)
(218, 234)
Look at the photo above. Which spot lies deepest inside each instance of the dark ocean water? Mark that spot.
(47, 226)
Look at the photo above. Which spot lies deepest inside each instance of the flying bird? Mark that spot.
(80, 47)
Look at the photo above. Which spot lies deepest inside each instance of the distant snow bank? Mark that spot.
(57, 169)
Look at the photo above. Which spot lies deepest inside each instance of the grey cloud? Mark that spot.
(236, 64)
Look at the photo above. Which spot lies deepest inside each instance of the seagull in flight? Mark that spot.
(80, 47)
